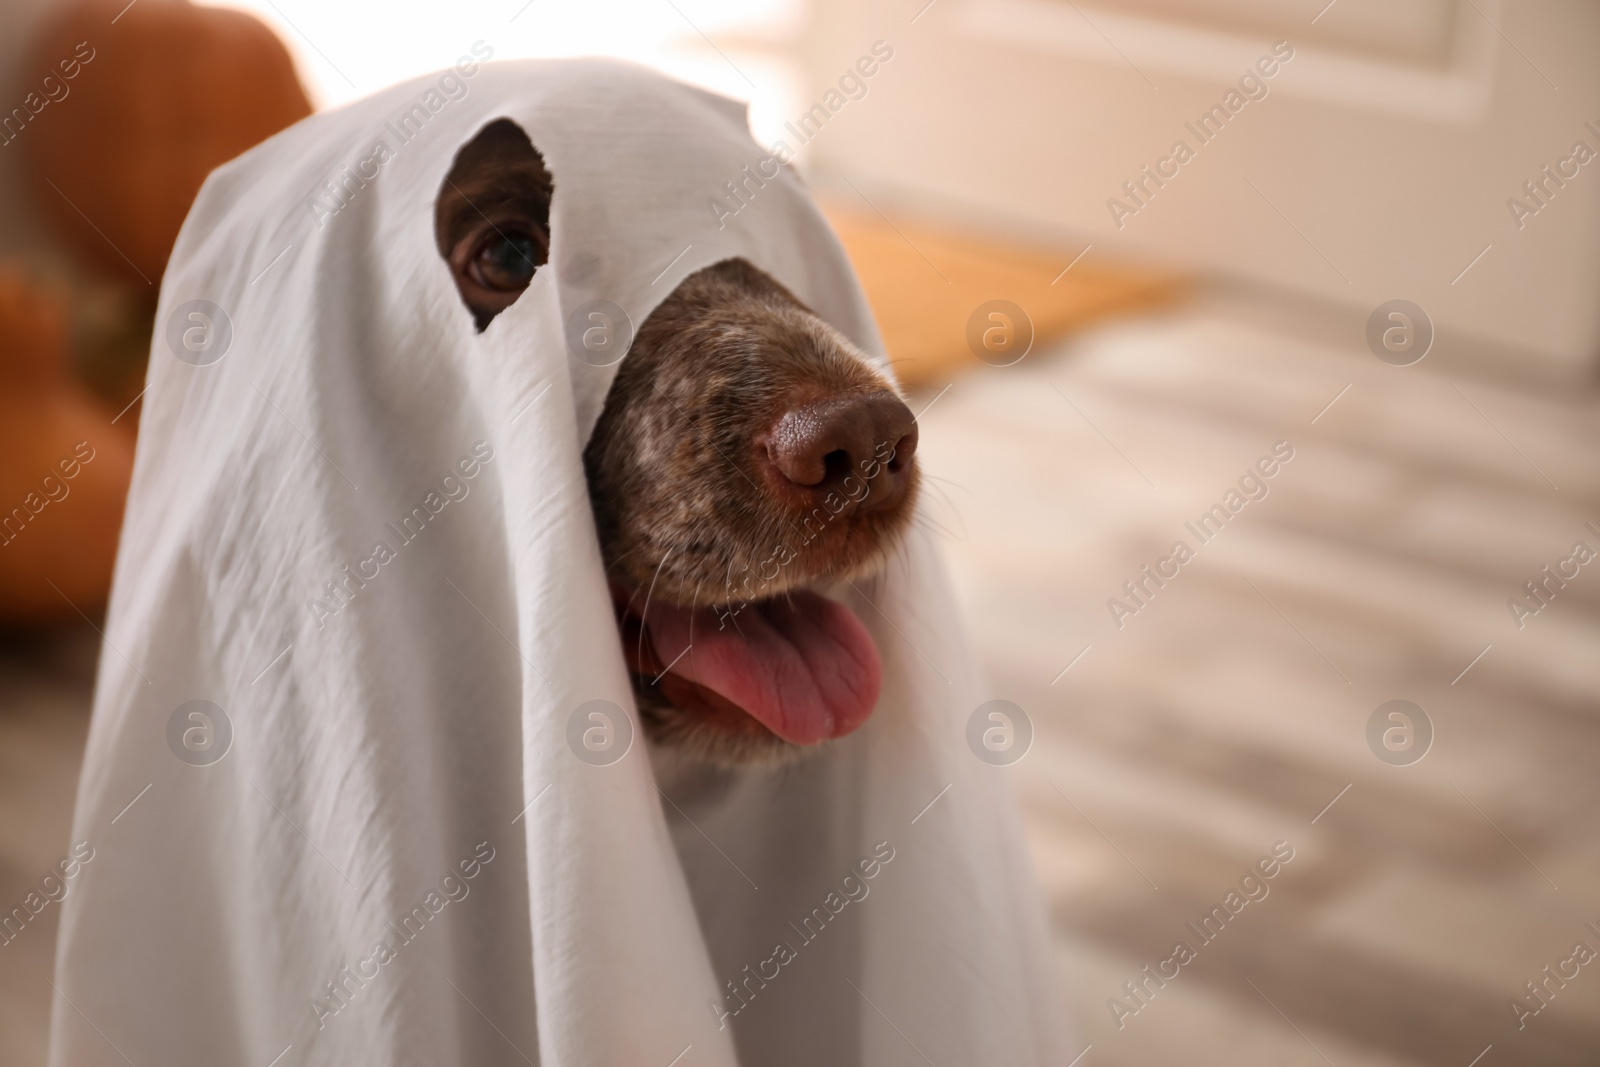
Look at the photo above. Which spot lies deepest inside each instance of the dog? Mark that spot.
(747, 458)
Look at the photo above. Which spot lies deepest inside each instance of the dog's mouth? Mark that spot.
(798, 665)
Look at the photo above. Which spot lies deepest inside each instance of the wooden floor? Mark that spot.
(1231, 710)
(45, 687)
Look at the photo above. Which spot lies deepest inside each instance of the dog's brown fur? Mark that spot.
(688, 504)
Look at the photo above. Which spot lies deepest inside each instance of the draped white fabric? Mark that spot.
(359, 533)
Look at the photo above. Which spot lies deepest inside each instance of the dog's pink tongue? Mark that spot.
(801, 665)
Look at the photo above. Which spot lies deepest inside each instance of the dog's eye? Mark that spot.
(505, 261)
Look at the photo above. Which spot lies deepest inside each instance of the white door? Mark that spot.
(1388, 149)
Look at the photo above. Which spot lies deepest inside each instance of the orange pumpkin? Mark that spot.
(133, 114)
(65, 473)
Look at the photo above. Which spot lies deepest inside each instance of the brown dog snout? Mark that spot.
(748, 458)
(841, 443)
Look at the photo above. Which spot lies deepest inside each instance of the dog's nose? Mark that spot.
(857, 446)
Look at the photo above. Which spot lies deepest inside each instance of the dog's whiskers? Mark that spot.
(643, 627)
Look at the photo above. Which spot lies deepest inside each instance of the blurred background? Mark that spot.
(1125, 253)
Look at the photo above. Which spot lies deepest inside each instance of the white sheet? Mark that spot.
(398, 858)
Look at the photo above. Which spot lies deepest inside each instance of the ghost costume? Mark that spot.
(365, 783)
